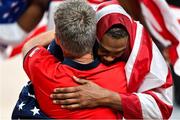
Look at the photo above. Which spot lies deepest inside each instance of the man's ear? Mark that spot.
(57, 40)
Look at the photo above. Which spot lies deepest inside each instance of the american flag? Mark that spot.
(163, 22)
(11, 10)
(27, 106)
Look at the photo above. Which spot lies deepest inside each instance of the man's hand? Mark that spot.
(87, 95)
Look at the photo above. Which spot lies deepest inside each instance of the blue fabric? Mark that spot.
(27, 106)
(55, 50)
(11, 10)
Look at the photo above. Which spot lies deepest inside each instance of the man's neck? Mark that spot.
(85, 59)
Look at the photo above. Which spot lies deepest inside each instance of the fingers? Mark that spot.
(78, 105)
(66, 90)
(67, 102)
(71, 107)
(80, 81)
(65, 96)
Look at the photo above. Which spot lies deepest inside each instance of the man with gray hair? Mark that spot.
(75, 34)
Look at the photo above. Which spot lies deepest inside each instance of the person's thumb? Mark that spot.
(79, 81)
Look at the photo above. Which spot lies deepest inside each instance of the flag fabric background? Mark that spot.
(163, 23)
(27, 106)
(11, 10)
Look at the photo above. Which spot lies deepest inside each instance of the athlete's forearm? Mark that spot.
(87, 95)
(43, 39)
(112, 101)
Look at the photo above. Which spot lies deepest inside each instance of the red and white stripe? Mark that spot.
(148, 76)
(163, 22)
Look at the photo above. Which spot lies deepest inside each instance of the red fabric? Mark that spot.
(115, 18)
(165, 33)
(173, 54)
(159, 18)
(139, 71)
(96, 1)
(146, 46)
(111, 19)
(91, 1)
(141, 67)
(142, 64)
(169, 80)
(165, 109)
(47, 73)
(131, 105)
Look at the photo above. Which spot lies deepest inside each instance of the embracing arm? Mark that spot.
(43, 39)
(86, 95)
(155, 103)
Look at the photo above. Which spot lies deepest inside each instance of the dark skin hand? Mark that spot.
(86, 95)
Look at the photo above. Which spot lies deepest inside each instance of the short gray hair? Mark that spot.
(76, 26)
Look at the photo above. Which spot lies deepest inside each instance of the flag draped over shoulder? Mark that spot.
(163, 23)
(148, 76)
